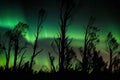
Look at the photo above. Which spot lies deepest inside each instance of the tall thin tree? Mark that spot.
(9, 35)
(17, 33)
(41, 18)
(62, 42)
(52, 59)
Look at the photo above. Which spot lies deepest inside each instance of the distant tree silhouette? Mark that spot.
(21, 58)
(112, 45)
(41, 18)
(62, 42)
(16, 35)
(52, 59)
(90, 41)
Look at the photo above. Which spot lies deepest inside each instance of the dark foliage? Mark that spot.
(90, 41)
(112, 45)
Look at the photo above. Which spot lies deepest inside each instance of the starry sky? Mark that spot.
(107, 15)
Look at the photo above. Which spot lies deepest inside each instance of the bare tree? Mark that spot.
(13, 37)
(112, 45)
(41, 18)
(63, 42)
(9, 35)
(90, 41)
(22, 51)
(52, 59)
(17, 32)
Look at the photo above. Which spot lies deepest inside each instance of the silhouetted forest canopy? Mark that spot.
(19, 57)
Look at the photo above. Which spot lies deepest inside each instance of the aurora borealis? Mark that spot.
(14, 11)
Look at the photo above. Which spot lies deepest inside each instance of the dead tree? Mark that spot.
(63, 42)
(41, 18)
(52, 59)
(17, 33)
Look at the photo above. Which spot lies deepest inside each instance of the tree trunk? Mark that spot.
(8, 55)
(31, 62)
(85, 64)
(15, 54)
(110, 65)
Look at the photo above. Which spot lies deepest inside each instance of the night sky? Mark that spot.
(107, 15)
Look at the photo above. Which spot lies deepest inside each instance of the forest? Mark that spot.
(91, 66)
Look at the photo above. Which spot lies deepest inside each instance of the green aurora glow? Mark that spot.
(10, 15)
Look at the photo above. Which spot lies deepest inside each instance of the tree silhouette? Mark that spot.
(22, 57)
(112, 46)
(89, 66)
(13, 37)
(62, 42)
(52, 59)
(9, 35)
(16, 35)
(90, 41)
(41, 18)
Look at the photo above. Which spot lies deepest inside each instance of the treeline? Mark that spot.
(92, 62)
